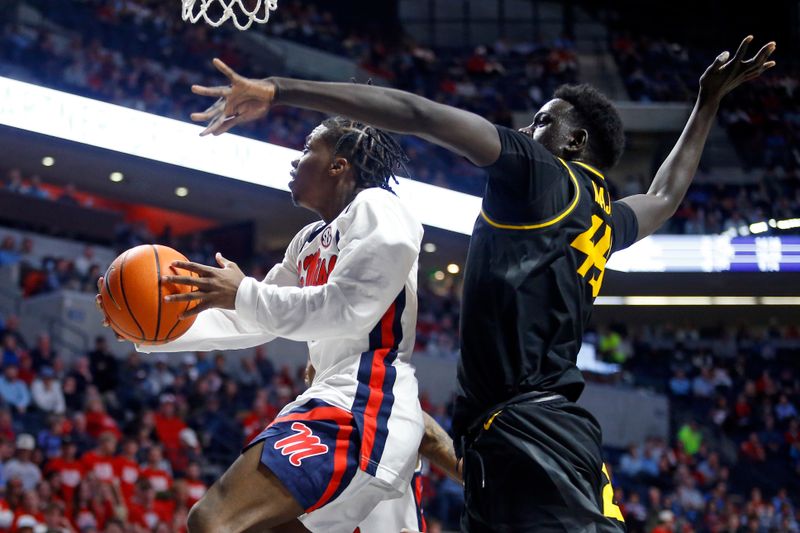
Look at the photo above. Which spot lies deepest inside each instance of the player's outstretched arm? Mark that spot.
(245, 100)
(676, 173)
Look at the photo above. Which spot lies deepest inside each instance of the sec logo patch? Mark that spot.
(327, 237)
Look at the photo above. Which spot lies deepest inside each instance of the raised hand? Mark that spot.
(244, 100)
(216, 287)
(726, 74)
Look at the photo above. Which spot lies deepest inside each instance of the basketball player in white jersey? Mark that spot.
(347, 286)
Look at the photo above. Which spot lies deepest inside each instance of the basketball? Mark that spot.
(133, 295)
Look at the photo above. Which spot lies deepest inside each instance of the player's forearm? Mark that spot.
(459, 131)
(388, 109)
(214, 329)
(679, 168)
(437, 447)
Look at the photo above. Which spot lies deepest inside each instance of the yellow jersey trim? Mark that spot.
(546, 223)
(590, 169)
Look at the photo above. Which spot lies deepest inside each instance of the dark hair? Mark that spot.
(600, 118)
(374, 154)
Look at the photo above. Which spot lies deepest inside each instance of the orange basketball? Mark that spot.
(133, 295)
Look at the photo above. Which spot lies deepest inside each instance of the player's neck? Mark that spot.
(341, 198)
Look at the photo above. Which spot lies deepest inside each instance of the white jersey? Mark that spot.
(348, 289)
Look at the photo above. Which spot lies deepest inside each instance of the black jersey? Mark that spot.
(535, 265)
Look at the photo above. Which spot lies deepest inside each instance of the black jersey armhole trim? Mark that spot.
(548, 222)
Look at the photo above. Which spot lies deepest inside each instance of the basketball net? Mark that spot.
(222, 10)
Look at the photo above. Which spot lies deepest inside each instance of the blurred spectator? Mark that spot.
(68, 195)
(679, 385)
(157, 470)
(43, 353)
(196, 487)
(68, 469)
(12, 328)
(103, 366)
(98, 421)
(100, 461)
(785, 410)
(145, 511)
(11, 351)
(13, 391)
(691, 437)
(126, 468)
(7, 431)
(46, 392)
(50, 437)
(168, 424)
(82, 376)
(34, 188)
(21, 467)
(753, 450)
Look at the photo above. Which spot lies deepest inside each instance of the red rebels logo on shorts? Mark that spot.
(301, 445)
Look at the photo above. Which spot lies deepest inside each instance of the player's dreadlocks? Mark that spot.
(374, 154)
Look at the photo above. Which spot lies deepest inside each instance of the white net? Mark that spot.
(243, 13)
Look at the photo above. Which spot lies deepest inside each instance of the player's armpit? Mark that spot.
(651, 212)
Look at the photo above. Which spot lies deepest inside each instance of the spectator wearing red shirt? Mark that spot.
(28, 513)
(94, 504)
(753, 450)
(792, 435)
(6, 515)
(189, 451)
(126, 469)
(156, 470)
(100, 461)
(26, 370)
(169, 425)
(145, 511)
(55, 518)
(7, 426)
(98, 421)
(195, 488)
(69, 470)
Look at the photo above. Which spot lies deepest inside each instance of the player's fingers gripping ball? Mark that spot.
(132, 295)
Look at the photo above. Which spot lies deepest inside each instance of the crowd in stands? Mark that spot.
(37, 273)
(97, 443)
(734, 461)
(720, 208)
(141, 55)
(101, 444)
(761, 117)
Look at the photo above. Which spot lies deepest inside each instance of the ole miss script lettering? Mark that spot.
(315, 270)
(301, 445)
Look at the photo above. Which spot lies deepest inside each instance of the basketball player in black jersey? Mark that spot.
(532, 457)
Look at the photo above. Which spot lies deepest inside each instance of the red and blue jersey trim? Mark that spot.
(374, 399)
(416, 486)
